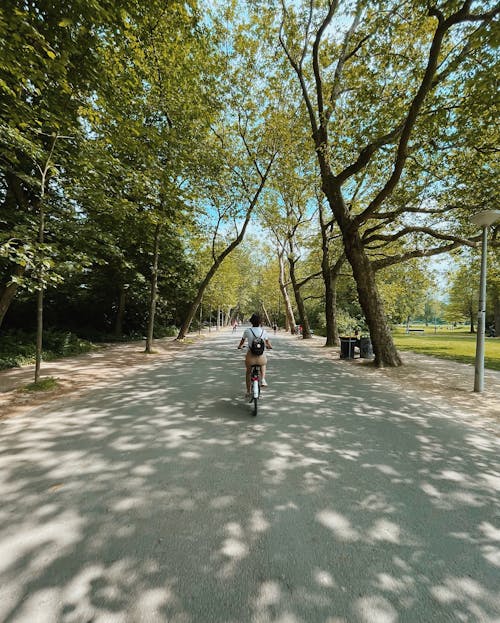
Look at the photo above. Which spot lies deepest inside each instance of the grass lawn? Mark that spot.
(456, 345)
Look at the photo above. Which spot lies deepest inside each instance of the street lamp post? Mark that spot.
(484, 220)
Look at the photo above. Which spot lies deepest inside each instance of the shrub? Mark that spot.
(18, 348)
(170, 331)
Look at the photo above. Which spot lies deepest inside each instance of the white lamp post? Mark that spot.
(484, 220)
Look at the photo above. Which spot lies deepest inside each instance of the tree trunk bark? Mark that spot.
(330, 280)
(154, 291)
(41, 282)
(370, 301)
(335, 327)
(290, 319)
(196, 303)
(304, 321)
(363, 273)
(332, 331)
(496, 312)
(471, 318)
(266, 316)
(39, 298)
(39, 328)
(120, 313)
(8, 293)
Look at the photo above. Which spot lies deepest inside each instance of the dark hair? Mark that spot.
(255, 320)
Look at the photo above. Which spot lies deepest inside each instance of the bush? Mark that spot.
(18, 348)
(345, 322)
(165, 332)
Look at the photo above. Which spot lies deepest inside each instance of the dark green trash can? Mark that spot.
(347, 345)
(365, 348)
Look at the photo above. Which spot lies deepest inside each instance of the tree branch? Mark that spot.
(427, 83)
(343, 57)
(333, 5)
(471, 242)
(298, 70)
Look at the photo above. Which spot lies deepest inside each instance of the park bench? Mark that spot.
(415, 330)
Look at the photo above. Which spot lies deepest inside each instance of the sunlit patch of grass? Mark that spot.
(44, 385)
(454, 346)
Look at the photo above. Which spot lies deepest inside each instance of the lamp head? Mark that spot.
(486, 218)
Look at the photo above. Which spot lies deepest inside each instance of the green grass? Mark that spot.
(455, 344)
(44, 385)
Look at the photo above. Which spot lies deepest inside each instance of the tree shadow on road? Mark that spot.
(162, 499)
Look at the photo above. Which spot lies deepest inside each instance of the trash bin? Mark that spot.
(365, 348)
(347, 345)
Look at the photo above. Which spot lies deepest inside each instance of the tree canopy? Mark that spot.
(140, 143)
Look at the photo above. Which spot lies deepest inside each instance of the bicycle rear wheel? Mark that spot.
(255, 408)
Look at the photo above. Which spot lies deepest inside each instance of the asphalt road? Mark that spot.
(160, 498)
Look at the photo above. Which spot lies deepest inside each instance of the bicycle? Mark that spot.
(255, 387)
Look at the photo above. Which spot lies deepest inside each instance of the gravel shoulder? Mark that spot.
(83, 373)
(445, 383)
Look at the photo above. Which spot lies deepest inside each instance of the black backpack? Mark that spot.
(257, 347)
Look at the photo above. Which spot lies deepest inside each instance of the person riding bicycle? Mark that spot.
(250, 334)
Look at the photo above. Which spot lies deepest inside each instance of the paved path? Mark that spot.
(159, 498)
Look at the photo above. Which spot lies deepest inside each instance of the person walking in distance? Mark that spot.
(256, 334)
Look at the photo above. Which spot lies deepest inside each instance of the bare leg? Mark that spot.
(249, 371)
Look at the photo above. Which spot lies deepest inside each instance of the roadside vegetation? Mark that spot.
(17, 348)
(167, 168)
(46, 384)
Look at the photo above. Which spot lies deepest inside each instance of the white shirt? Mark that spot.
(252, 332)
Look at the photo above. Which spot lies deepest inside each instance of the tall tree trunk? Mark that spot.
(8, 292)
(196, 302)
(329, 275)
(290, 319)
(363, 273)
(44, 178)
(471, 317)
(39, 297)
(304, 321)
(120, 312)
(266, 316)
(154, 291)
(335, 327)
(496, 311)
(370, 301)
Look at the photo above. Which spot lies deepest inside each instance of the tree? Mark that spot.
(148, 134)
(245, 143)
(49, 66)
(463, 295)
(376, 111)
(226, 212)
(404, 288)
